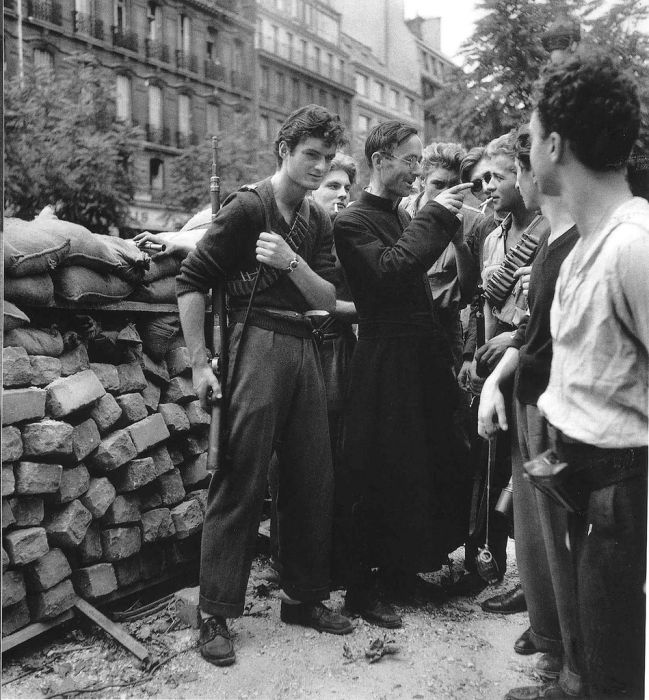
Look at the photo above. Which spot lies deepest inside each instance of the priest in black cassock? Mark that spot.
(408, 477)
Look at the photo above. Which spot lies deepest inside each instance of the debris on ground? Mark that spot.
(379, 648)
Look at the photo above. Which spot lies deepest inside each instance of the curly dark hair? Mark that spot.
(387, 136)
(522, 147)
(592, 104)
(312, 121)
(470, 160)
(442, 155)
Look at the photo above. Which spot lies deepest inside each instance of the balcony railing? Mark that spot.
(124, 39)
(84, 23)
(156, 134)
(186, 61)
(240, 80)
(47, 10)
(214, 71)
(184, 140)
(156, 49)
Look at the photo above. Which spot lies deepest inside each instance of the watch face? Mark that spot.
(293, 264)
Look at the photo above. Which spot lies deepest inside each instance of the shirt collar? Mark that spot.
(378, 202)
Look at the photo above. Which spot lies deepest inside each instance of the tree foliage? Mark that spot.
(63, 146)
(504, 58)
(241, 160)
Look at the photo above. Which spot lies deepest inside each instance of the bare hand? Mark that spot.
(206, 386)
(491, 352)
(523, 273)
(492, 415)
(453, 197)
(468, 378)
(144, 239)
(273, 250)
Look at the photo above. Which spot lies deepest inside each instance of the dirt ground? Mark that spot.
(448, 651)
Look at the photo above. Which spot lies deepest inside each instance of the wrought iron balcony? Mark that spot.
(47, 10)
(84, 23)
(186, 61)
(214, 71)
(240, 80)
(156, 49)
(124, 39)
(156, 134)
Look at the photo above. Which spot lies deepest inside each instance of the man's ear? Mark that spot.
(283, 149)
(557, 146)
(377, 159)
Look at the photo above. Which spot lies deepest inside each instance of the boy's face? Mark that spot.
(527, 187)
(308, 163)
(502, 185)
(333, 193)
(438, 180)
(543, 166)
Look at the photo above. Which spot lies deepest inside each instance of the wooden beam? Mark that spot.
(26, 633)
(116, 631)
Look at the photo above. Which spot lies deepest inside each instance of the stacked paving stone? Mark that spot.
(104, 477)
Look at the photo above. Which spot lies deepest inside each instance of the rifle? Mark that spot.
(217, 445)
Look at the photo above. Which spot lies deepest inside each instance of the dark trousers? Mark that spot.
(609, 543)
(542, 554)
(277, 404)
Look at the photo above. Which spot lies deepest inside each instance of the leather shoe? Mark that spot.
(506, 603)
(316, 615)
(469, 584)
(215, 642)
(524, 644)
(372, 609)
(549, 666)
(549, 691)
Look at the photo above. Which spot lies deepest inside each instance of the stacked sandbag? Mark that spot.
(103, 476)
(47, 259)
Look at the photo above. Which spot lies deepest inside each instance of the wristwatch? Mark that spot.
(293, 264)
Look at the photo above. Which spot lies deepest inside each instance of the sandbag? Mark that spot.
(36, 290)
(158, 333)
(163, 266)
(84, 286)
(200, 220)
(14, 317)
(162, 291)
(30, 248)
(36, 341)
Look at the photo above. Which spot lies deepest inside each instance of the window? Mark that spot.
(361, 84)
(265, 82)
(275, 39)
(281, 88)
(330, 65)
(363, 124)
(316, 57)
(323, 98)
(184, 110)
(156, 174)
(124, 98)
(119, 15)
(184, 34)
(410, 106)
(309, 94)
(264, 128)
(394, 99)
(212, 119)
(211, 45)
(82, 6)
(289, 46)
(237, 56)
(304, 54)
(153, 21)
(43, 59)
(379, 92)
(155, 107)
(295, 95)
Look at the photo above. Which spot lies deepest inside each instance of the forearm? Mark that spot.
(346, 311)
(192, 319)
(506, 368)
(319, 293)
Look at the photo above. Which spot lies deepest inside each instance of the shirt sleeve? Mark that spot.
(632, 265)
(215, 253)
(323, 261)
(420, 244)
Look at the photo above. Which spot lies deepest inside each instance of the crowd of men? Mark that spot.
(389, 442)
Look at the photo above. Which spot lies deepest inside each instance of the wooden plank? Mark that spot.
(116, 631)
(119, 306)
(26, 633)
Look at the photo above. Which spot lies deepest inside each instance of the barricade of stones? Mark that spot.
(104, 477)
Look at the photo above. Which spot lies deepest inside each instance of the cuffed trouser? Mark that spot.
(544, 560)
(277, 403)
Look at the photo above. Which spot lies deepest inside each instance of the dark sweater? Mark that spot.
(228, 247)
(533, 335)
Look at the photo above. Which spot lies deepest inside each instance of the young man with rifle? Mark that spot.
(271, 247)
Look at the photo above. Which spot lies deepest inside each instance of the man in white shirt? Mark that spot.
(586, 120)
